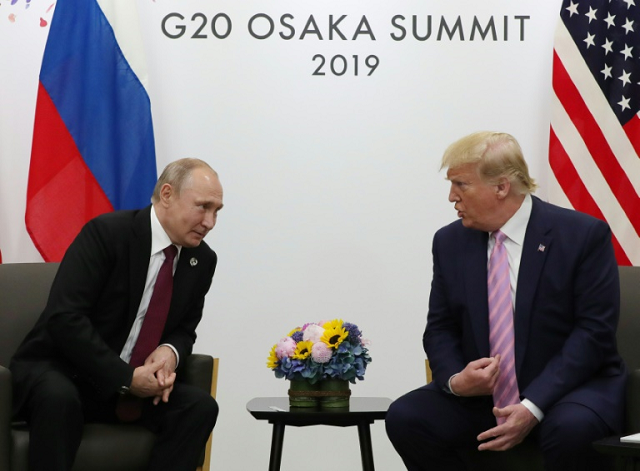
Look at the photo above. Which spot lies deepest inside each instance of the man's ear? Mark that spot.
(166, 192)
(502, 188)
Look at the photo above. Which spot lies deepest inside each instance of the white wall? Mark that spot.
(332, 189)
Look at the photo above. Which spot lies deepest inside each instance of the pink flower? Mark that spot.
(313, 332)
(285, 348)
(320, 352)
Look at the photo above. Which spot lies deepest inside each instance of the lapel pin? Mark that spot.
(193, 261)
(541, 248)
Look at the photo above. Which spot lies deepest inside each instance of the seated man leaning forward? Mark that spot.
(93, 355)
(521, 327)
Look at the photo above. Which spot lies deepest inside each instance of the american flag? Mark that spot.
(594, 143)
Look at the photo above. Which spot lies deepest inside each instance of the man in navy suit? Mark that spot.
(565, 299)
(73, 367)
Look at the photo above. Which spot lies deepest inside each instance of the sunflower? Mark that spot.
(303, 350)
(272, 361)
(334, 333)
(336, 323)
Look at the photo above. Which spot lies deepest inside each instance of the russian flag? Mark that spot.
(93, 148)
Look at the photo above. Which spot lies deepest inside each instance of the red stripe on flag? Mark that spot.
(597, 144)
(58, 173)
(576, 191)
(632, 129)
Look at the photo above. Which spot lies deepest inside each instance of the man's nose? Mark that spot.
(209, 220)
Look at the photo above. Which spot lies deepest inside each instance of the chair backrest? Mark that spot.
(629, 327)
(24, 290)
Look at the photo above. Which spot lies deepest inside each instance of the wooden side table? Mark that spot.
(362, 412)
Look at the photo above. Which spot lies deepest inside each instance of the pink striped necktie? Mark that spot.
(501, 339)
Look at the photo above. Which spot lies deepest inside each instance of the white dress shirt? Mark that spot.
(159, 241)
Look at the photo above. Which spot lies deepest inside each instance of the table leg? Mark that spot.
(366, 450)
(276, 447)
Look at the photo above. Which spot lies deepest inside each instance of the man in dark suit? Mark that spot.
(74, 366)
(564, 305)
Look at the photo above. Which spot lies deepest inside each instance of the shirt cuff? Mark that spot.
(535, 410)
(174, 351)
(448, 388)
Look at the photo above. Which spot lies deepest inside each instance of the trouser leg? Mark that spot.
(429, 427)
(54, 413)
(183, 426)
(566, 435)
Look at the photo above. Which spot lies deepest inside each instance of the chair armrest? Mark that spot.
(200, 370)
(6, 398)
(632, 409)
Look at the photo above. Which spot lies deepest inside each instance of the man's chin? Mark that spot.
(195, 240)
(467, 223)
(192, 242)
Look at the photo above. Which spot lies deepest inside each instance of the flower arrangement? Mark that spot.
(318, 351)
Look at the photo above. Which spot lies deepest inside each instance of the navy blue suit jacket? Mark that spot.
(566, 313)
(94, 301)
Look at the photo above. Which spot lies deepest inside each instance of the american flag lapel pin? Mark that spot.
(541, 248)
(193, 261)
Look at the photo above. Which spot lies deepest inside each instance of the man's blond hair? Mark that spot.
(497, 155)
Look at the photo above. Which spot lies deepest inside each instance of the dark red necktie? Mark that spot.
(156, 316)
(129, 407)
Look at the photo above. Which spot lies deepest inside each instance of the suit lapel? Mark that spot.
(184, 276)
(474, 267)
(536, 245)
(140, 251)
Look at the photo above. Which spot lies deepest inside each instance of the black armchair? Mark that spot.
(526, 457)
(24, 288)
